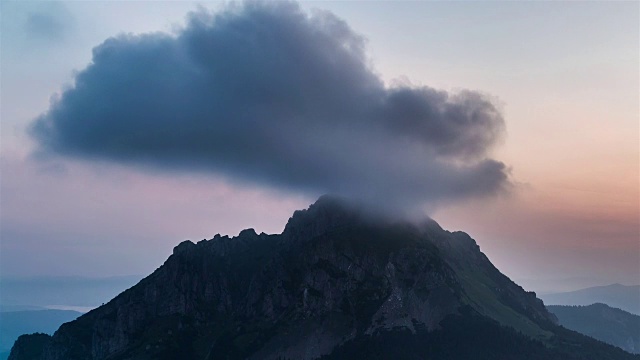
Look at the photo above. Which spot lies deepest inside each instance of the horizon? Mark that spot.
(557, 284)
(552, 199)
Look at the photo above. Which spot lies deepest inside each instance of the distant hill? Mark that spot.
(602, 322)
(619, 296)
(338, 283)
(10, 308)
(16, 323)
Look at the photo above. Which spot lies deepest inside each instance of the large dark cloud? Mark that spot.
(266, 93)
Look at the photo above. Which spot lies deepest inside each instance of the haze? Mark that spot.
(558, 207)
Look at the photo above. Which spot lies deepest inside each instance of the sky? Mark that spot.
(127, 127)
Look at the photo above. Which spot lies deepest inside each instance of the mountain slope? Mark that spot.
(618, 296)
(338, 283)
(613, 326)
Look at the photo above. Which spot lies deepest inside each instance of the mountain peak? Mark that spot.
(327, 212)
(183, 246)
(339, 282)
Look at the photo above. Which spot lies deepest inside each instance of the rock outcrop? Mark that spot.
(29, 347)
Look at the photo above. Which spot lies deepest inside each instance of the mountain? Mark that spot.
(16, 323)
(29, 347)
(619, 296)
(613, 326)
(338, 283)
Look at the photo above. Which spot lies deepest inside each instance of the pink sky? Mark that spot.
(566, 75)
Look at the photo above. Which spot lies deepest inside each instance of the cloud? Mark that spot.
(266, 93)
(49, 21)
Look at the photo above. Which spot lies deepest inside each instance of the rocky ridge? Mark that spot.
(335, 284)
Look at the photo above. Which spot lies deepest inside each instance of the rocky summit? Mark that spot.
(338, 283)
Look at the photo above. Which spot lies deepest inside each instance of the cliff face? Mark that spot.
(332, 284)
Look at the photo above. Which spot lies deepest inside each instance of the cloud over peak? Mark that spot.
(266, 93)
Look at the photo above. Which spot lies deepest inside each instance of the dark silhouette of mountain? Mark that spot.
(613, 326)
(619, 296)
(16, 323)
(29, 347)
(338, 283)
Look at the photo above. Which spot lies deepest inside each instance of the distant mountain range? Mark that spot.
(338, 283)
(602, 322)
(618, 296)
